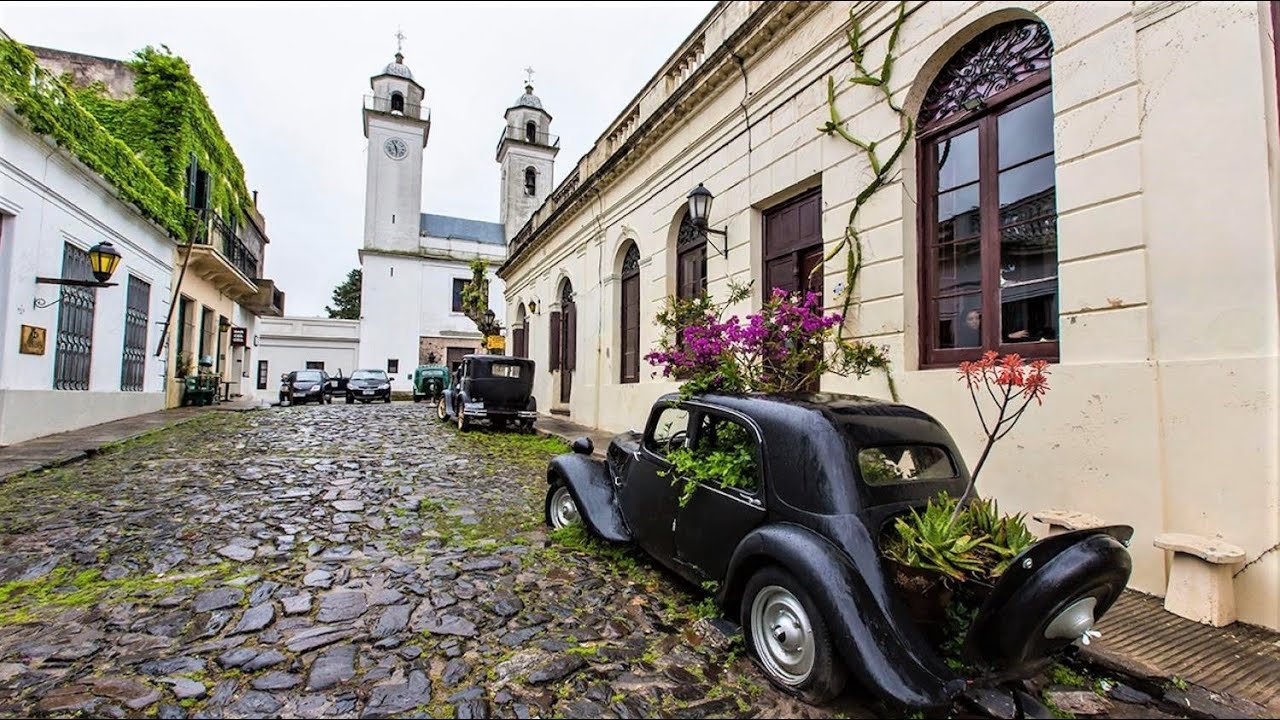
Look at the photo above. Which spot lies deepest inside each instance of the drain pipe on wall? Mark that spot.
(595, 415)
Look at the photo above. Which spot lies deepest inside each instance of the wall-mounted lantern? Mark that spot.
(700, 211)
(103, 259)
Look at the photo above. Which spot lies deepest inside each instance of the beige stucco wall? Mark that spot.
(203, 294)
(1163, 410)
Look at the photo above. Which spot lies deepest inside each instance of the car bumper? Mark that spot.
(368, 394)
(503, 414)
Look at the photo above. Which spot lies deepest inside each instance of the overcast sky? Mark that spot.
(287, 80)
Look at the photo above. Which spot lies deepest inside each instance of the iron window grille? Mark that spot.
(74, 352)
(133, 366)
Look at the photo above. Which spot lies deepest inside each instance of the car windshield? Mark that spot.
(307, 376)
(368, 375)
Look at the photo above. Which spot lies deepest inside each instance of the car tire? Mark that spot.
(388, 400)
(417, 398)
(351, 400)
(561, 508)
(797, 654)
(463, 423)
(441, 415)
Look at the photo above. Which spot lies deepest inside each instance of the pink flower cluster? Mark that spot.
(789, 326)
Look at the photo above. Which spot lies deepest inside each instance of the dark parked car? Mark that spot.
(368, 385)
(797, 556)
(302, 386)
(496, 388)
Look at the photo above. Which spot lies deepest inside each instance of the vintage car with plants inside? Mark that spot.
(368, 386)
(497, 389)
(843, 532)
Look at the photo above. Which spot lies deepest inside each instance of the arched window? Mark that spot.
(630, 320)
(691, 259)
(530, 181)
(397, 102)
(531, 131)
(989, 240)
(520, 333)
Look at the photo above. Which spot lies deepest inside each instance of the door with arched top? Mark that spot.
(564, 340)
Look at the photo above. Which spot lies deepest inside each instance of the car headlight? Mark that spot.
(384, 386)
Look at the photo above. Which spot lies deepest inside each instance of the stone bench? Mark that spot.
(1060, 521)
(1200, 585)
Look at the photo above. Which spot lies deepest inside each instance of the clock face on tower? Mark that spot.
(396, 148)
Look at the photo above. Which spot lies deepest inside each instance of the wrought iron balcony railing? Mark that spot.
(222, 237)
(392, 107)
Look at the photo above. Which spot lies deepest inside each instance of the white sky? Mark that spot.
(287, 80)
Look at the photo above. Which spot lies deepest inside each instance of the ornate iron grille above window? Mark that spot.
(75, 323)
(691, 259)
(689, 234)
(993, 62)
(631, 261)
(135, 335)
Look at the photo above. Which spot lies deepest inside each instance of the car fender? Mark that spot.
(588, 480)
(871, 641)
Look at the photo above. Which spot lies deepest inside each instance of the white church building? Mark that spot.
(415, 264)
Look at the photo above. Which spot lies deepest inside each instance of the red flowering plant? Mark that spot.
(1010, 383)
(786, 347)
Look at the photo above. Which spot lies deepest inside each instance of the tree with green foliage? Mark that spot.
(475, 299)
(347, 297)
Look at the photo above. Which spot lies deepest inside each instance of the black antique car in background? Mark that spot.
(797, 557)
(496, 388)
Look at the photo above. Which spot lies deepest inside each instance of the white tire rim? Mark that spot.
(783, 635)
(564, 511)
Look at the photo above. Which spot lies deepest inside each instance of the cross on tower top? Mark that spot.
(529, 76)
(399, 41)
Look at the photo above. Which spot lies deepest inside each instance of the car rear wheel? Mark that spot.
(562, 511)
(787, 634)
(417, 397)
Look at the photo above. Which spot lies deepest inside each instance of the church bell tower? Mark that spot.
(397, 125)
(527, 152)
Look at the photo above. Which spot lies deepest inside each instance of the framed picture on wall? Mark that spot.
(32, 340)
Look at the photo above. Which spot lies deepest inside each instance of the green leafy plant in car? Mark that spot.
(936, 540)
(724, 459)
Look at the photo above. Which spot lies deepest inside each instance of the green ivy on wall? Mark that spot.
(142, 144)
(49, 108)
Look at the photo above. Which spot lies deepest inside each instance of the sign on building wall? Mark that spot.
(32, 340)
(238, 335)
(496, 342)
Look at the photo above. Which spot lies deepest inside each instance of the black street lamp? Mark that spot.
(700, 211)
(103, 259)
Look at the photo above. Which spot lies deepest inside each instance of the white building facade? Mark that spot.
(285, 344)
(90, 356)
(1146, 153)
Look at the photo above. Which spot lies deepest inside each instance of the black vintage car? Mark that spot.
(797, 556)
(496, 388)
(368, 385)
(302, 386)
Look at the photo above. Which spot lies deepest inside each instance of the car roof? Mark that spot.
(502, 358)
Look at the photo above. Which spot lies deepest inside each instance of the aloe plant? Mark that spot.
(937, 540)
(1007, 535)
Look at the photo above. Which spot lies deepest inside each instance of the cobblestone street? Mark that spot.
(339, 561)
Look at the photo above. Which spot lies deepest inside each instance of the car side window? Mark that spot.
(727, 452)
(670, 431)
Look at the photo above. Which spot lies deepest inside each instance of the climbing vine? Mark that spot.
(48, 107)
(882, 170)
(141, 144)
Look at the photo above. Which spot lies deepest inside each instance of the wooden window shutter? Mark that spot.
(555, 340)
(571, 337)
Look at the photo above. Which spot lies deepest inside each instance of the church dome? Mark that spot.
(399, 69)
(528, 99)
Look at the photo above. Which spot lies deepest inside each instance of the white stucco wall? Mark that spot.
(48, 199)
(289, 343)
(1164, 407)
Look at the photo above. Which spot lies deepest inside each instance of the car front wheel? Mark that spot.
(350, 399)
(562, 511)
(440, 412)
(787, 634)
(463, 424)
